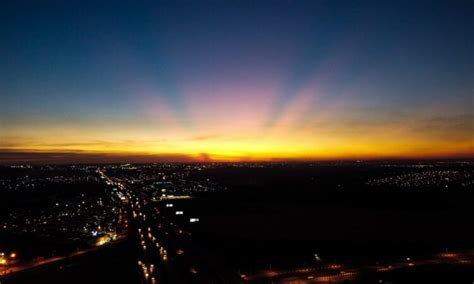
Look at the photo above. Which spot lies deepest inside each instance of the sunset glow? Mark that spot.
(195, 90)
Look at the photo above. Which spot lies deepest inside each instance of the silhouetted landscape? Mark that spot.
(240, 222)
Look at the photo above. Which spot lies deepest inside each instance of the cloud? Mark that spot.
(79, 157)
(203, 137)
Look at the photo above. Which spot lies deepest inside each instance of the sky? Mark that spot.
(235, 80)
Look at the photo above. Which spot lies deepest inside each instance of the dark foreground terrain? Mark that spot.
(397, 222)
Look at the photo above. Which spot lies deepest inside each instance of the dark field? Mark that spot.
(282, 216)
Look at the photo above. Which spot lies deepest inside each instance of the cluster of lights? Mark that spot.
(163, 254)
(148, 242)
(4, 258)
(433, 178)
(148, 270)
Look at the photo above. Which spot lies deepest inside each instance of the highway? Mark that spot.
(33, 264)
(338, 273)
(168, 253)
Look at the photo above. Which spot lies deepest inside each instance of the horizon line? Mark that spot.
(15, 157)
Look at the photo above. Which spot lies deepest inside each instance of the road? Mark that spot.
(169, 254)
(338, 273)
(109, 264)
(33, 264)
